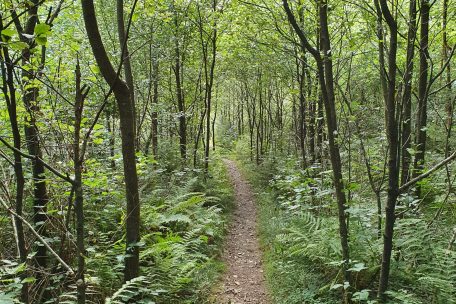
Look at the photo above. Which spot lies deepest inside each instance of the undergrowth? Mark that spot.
(184, 219)
(300, 237)
(290, 278)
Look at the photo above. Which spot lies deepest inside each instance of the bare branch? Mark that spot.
(427, 173)
(63, 176)
(61, 261)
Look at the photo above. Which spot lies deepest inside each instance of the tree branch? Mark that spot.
(299, 31)
(427, 173)
(65, 177)
(61, 261)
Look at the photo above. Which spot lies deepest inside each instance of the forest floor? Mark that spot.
(243, 280)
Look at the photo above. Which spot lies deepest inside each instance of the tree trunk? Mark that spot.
(78, 192)
(127, 130)
(30, 100)
(327, 83)
(112, 140)
(393, 152)
(155, 110)
(421, 121)
(407, 97)
(445, 56)
(127, 64)
(180, 95)
(9, 93)
(209, 86)
(325, 74)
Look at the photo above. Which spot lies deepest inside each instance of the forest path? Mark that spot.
(243, 280)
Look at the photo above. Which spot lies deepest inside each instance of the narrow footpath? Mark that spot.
(243, 280)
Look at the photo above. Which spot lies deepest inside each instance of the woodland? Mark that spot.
(121, 122)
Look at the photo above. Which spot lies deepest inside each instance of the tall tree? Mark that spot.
(407, 95)
(178, 69)
(9, 93)
(421, 120)
(210, 83)
(326, 78)
(78, 191)
(32, 138)
(128, 72)
(392, 130)
(127, 129)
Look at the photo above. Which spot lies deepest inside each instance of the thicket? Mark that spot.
(107, 191)
(299, 233)
(184, 219)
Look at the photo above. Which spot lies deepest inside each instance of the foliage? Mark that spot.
(10, 281)
(183, 231)
(267, 108)
(301, 239)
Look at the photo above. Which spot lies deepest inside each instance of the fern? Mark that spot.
(310, 237)
(424, 257)
(134, 291)
(10, 282)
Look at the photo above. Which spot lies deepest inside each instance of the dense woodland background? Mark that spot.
(115, 115)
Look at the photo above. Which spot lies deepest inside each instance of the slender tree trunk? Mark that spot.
(78, 192)
(312, 114)
(112, 140)
(381, 50)
(9, 93)
(209, 101)
(302, 113)
(393, 152)
(127, 130)
(127, 64)
(320, 128)
(407, 97)
(30, 100)
(327, 83)
(445, 54)
(213, 127)
(325, 74)
(300, 118)
(421, 121)
(251, 113)
(180, 95)
(152, 139)
(155, 110)
(198, 136)
(209, 86)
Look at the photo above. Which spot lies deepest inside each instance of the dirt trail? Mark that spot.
(243, 281)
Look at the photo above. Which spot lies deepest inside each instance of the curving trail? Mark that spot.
(243, 280)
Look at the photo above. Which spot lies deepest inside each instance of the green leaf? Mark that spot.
(336, 286)
(41, 40)
(18, 45)
(7, 34)
(357, 267)
(362, 295)
(28, 280)
(6, 299)
(42, 29)
(98, 141)
(353, 186)
(411, 151)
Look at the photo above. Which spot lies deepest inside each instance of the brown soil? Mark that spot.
(243, 280)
